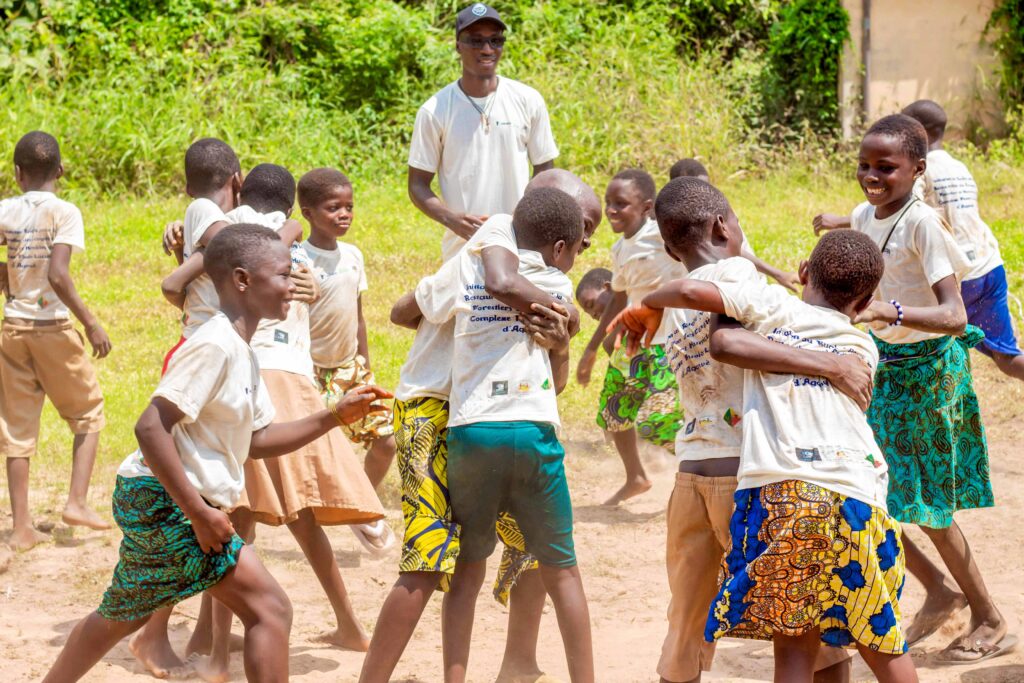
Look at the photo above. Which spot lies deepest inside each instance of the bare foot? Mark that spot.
(512, 676)
(6, 555)
(629, 490)
(981, 641)
(26, 539)
(235, 644)
(155, 654)
(937, 609)
(357, 642)
(210, 672)
(77, 515)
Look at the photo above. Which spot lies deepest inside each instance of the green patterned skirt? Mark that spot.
(927, 422)
(641, 392)
(161, 562)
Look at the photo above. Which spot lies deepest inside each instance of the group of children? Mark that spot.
(784, 521)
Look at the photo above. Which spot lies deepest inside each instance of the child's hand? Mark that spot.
(307, 289)
(585, 367)
(640, 323)
(790, 281)
(824, 222)
(550, 327)
(213, 529)
(98, 339)
(358, 403)
(174, 237)
(853, 377)
(875, 314)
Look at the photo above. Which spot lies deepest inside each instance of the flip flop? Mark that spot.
(935, 627)
(1005, 645)
(376, 537)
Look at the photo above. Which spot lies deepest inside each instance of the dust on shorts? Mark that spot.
(161, 562)
(431, 541)
(802, 557)
(334, 383)
(641, 392)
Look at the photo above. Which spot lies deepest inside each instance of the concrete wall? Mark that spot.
(922, 49)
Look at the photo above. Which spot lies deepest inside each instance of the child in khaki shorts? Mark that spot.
(341, 356)
(41, 353)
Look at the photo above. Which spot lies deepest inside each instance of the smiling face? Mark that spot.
(886, 174)
(270, 285)
(332, 215)
(626, 207)
(479, 57)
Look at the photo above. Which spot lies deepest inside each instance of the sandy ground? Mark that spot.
(621, 555)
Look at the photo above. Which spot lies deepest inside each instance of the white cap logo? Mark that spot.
(479, 9)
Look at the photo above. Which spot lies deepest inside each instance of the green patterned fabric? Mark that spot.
(641, 392)
(927, 422)
(161, 562)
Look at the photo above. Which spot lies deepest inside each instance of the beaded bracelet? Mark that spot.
(899, 314)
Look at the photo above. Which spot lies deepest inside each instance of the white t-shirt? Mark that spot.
(640, 265)
(798, 427)
(30, 224)
(710, 393)
(501, 373)
(427, 371)
(281, 344)
(334, 317)
(920, 251)
(481, 170)
(949, 187)
(215, 381)
(201, 300)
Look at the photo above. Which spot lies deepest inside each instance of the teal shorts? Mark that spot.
(513, 467)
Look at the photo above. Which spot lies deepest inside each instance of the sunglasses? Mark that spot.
(475, 43)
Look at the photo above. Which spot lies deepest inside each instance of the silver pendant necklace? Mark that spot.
(485, 120)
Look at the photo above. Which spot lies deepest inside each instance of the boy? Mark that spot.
(41, 353)
(697, 220)
(421, 417)
(503, 453)
(594, 291)
(689, 168)
(337, 328)
(209, 413)
(948, 187)
(811, 482)
(639, 394)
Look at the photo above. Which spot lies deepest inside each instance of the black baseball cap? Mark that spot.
(478, 11)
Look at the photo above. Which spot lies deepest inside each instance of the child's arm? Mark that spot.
(603, 331)
(290, 232)
(406, 312)
(824, 222)
(285, 437)
(731, 343)
(549, 328)
(173, 286)
(947, 317)
(503, 282)
(174, 240)
(362, 345)
(790, 281)
(641, 322)
(59, 276)
(153, 431)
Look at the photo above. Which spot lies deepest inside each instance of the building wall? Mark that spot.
(922, 49)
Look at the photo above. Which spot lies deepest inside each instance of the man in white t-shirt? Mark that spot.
(41, 353)
(478, 135)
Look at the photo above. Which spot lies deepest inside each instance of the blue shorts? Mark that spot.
(513, 467)
(986, 301)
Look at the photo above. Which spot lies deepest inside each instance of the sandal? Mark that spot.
(986, 650)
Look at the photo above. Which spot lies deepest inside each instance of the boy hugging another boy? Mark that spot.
(503, 450)
(209, 413)
(812, 482)
(41, 353)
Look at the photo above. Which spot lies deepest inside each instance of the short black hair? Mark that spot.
(930, 115)
(845, 266)
(242, 245)
(595, 278)
(641, 179)
(209, 163)
(315, 185)
(912, 137)
(269, 188)
(544, 216)
(37, 154)
(687, 168)
(684, 210)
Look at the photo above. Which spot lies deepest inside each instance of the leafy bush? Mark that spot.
(1007, 23)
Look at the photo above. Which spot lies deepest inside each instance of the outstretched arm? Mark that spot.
(790, 281)
(948, 316)
(59, 276)
(589, 357)
(824, 222)
(640, 323)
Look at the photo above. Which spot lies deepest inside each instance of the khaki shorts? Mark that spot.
(40, 361)
(334, 383)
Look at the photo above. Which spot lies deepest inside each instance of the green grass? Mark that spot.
(119, 277)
